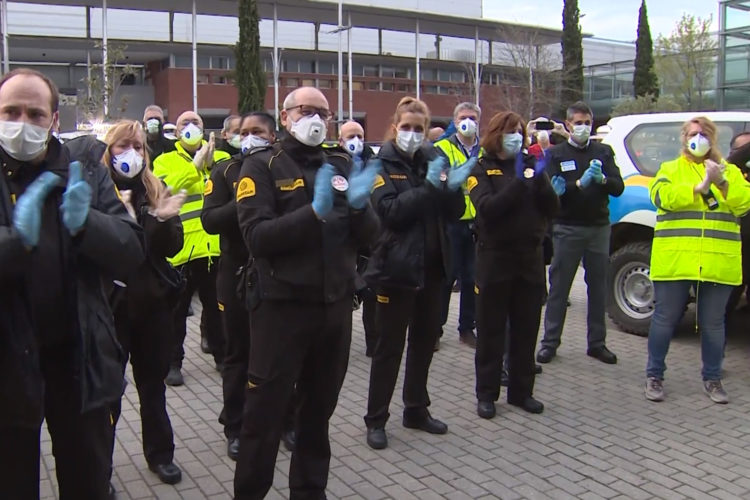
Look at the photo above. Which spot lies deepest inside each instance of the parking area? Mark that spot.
(597, 438)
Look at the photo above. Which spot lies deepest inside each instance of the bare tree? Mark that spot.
(100, 90)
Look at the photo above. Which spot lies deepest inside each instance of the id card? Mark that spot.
(568, 166)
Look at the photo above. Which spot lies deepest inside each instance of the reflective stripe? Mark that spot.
(708, 233)
(193, 197)
(194, 214)
(722, 235)
(657, 198)
(697, 215)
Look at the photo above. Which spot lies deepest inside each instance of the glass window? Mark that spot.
(651, 144)
(203, 79)
(737, 18)
(373, 86)
(458, 76)
(292, 82)
(327, 68)
(388, 87)
(219, 62)
(427, 74)
(220, 80)
(401, 72)
(358, 86)
(306, 66)
(736, 67)
(403, 87)
(324, 84)
(223, 30)
(430, 89)
(370, 71)
(444, 75)
(387, 72)
(47, 20)
(308, 82)
(127, 24)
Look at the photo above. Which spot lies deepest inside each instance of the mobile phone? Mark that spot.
(545, 125)
(710, 200)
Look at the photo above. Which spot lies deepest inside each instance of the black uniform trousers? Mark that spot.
(292, 342)
(517, 304)
(397, 309)
(146, 337)
(200, 275)
(236, 323)
(81, 442)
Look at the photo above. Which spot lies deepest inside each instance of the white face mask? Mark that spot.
(23, 141)
(191, 134)
(152, 126)
(512, 143)
(699, 145)
(467, 127)
(129, 163)
(354, 146)
(581, 133)
(252, 141)
(409, 141)
(235, 141)
(309, 130)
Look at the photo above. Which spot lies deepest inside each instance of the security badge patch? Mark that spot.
(209, 188)
(471, 183)
(245, 189)
(290, 184)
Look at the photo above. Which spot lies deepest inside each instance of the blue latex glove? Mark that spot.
(540, 166)
(76, 200)
(27, 215)
(558, 184)
(520, 167)
(434, 168)
(322, 202)
(361, 181)
(596, 167)
(457, 176)
(588, 177)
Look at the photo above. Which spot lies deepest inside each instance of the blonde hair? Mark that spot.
(709, 131)
(129, 129)
(408, 105)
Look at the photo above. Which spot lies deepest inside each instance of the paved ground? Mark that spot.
(598, 437)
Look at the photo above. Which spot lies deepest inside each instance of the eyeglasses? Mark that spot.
(306, 110)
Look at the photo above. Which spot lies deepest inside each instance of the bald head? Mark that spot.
(188, 117)
(435, 133)
(350, 130)
(307, 99)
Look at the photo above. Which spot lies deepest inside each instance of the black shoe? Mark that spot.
(468, 337)
(486, 409)
(567, 302)
(204, 346)
(219, 367)
(233, 448)
(603, 354)
(190, 311)
(376, 439)
(537, 369)
(529, 404)
(545, 355)
(289, 438)
(436, 347)
(168, 473)
(504, 378)
(112, 493)
(174, 377)
(428, 424)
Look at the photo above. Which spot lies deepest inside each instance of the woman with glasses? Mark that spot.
(698, 198)
(415, 195)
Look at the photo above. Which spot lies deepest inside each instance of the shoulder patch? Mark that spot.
(471, 183)
(379, 182)
(209, 188)
(245, 189)
(398, 177)
(495, 171)
(290, 184)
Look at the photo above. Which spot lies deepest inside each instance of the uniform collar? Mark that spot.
(56, 160)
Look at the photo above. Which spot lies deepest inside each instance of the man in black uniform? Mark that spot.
(153, 122)
(64, 235)
(303, 217)
(219, 216)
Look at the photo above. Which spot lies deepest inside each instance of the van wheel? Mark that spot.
(630, 303)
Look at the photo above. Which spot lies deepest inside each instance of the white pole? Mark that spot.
(416, 51)
(341, 64)
(6, 61)
(350, 70)
(105, 76)
(477, 82)
(275, 65)
(195, 60)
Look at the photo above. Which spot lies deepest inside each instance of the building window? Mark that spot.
(388, 87)
(326, 68)
(306, 67)
(308, 82)
(403, 87)
(370, 71)
(387, 72)
(401, 72)
(203, 79)
(427, 74)
(324, 84)
(358, 86)
(373, 86)
(221, 80)
(219, 62)
(292, 82)
(430, 89)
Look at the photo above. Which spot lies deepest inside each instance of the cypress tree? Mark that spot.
(250, 78)
(645, 81)
(572, 54)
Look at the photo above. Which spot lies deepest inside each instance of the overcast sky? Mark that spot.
(614, 19)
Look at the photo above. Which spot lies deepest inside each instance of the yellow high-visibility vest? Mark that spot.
(692, 242)
(456, 157)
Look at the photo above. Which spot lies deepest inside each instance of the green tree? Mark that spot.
(249, 76)
(572, 54)
(685, 62)
(645, 81)
(100, 91)
(646, 104)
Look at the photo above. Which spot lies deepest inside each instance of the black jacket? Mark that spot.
(154, 285)
(109, 247)
(296, 256)
(159, 145)
(413, 214)
(511, 221)
(588, 206)
(219, 215)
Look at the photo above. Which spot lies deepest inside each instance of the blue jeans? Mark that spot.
(671, 297)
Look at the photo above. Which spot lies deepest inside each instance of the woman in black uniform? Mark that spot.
(415, 195)
(142, 308)
(514, 201)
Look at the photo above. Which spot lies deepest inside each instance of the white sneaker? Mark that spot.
(654, 389)
(715, 391)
